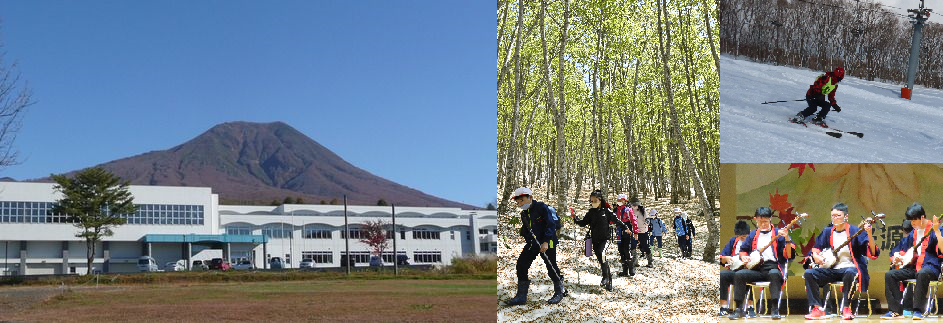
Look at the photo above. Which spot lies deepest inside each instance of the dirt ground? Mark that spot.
(333, 300)
(675, 290)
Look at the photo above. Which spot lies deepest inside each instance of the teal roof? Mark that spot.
(181, 238)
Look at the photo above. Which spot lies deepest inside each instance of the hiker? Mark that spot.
(538, 227)
(642, 235)
(656, 229)
(598, 219)
(680, 227)
(689, 227)
(627, 216)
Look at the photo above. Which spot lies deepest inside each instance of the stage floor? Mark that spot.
(801, 318)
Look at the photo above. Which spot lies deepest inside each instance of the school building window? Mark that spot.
(426, 234)
(319, 257)
(427, 256)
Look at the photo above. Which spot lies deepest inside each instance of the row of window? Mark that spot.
(362, 257)
(163, 214)
(427, 257)
(278, 232)
(319, 257)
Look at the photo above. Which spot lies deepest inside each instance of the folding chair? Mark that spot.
(763, 286)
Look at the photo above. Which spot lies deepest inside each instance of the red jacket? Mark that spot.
(626, 215)
(825, 84)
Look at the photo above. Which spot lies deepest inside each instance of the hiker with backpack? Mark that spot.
(680, 227)
(539, 223)
(656, 228)
(642, 235)
(598, 219)
(627, 216)
(689, 227)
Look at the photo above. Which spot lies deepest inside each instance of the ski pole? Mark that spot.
(782, 101)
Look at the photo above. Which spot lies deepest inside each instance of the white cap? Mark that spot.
(522, 191)
(677, 209)
(652, 211)
(621, 197)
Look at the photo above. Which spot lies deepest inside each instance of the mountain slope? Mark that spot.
(259, 162)
(895, 129)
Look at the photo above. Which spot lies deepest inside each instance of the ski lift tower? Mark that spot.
(919, 17)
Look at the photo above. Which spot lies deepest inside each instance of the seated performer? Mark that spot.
(850, 260)
(770, 267)
(740, 231)
(924, 265)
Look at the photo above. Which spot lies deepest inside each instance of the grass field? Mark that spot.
(313, 300)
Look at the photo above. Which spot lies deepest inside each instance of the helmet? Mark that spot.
(521, 191)
(839, 72)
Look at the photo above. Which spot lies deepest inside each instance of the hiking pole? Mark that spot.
(782, 101)
(550, 267)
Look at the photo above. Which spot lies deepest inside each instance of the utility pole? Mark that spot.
(346, 237)
(291, 238)
(395, 252)
(919, 17)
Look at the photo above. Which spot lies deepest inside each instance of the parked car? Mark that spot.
(146, 263)
(306, 264)
(375, 261)
(199, 265)
(219, 264)
(276, 263)
(243, 265)
(402, 260)
(179, 265)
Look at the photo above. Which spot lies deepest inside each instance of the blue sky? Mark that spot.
(399, 88)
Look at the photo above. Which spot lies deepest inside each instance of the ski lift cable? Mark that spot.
(840, 7)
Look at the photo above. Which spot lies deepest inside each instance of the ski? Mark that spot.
(803, 123)
(853, 133)
(858, 134)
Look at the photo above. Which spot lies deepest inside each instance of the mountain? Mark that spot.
(248, 162)
(895, 130)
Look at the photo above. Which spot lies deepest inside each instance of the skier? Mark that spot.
(598, 219)
(825, 84)
(627, 216)
(538, 229)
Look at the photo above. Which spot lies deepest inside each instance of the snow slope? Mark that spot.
(895, 129)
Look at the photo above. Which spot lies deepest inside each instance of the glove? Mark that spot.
(837, 108)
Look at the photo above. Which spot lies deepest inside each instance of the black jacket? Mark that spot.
(538, 216)
(689, 226)
(598, 220)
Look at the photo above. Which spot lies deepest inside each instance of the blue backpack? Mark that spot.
(554, 218)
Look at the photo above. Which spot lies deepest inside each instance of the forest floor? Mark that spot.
(676, 290)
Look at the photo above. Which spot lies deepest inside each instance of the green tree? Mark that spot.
(95, 201)
(298, 200)
(323, 202)
(382, 202)
(275, 203)
(334, 201)
(490, 207)
(288, 200)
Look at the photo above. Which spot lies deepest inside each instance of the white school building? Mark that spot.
(188, 223)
